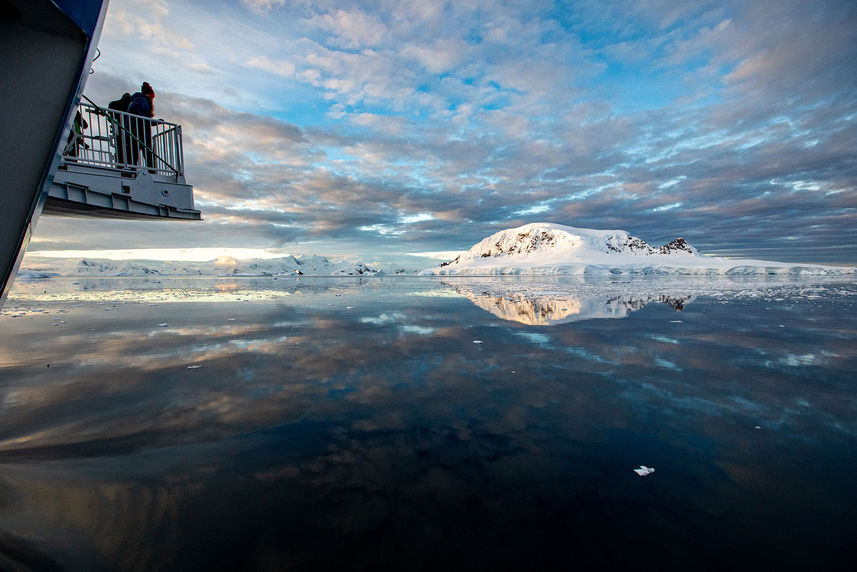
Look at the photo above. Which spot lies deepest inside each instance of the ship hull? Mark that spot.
(48, 47)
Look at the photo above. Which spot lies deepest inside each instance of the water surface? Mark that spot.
(423, 424)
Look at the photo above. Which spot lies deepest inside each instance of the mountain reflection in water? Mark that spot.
(551, 309)
(355, 425)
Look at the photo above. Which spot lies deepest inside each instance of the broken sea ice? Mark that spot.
(644, 470)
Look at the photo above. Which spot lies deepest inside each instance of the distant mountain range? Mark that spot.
(289, 265)
(552, 249)
(531, 250)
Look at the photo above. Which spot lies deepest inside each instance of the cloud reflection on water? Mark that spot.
(381, 428)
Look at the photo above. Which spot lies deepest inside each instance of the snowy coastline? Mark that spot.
(41, 268)
(537, 249)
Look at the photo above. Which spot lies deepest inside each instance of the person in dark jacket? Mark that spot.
(120, 126)
(143, 105)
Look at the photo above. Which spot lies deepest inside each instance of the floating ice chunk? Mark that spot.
(477, 341)
(164, 325)
(194, 366)
(644, 470)
(349, 307)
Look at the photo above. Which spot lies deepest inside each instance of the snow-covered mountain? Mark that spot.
(289, 265)
(310, 266)
(547, 249)
(358, 269)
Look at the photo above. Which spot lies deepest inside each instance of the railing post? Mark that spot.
(119, 140)
(179, 151)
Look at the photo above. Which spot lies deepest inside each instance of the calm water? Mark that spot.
(420, 424)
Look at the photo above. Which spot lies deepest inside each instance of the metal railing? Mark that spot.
(117, 140)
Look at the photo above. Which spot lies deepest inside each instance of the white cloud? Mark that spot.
(198, 254)
(351, 29)
(355, 78)
(441, 55)
(438, 255)
(279, 67)
(418, 217)
(148, 25)
(261, 6)
(201, 67)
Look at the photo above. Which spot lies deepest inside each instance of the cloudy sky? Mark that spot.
(377, 128)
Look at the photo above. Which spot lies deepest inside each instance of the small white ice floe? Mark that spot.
(194, 366)
(644, 470)
(349, 307)
(164, 325)
(477, 341)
